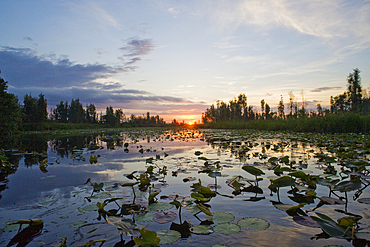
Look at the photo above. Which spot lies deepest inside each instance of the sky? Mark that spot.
(176, 58)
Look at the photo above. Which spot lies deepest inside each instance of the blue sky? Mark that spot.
(176, 58)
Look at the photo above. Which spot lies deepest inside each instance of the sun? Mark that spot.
(190, 123)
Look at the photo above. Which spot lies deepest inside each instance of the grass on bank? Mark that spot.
(333, 123)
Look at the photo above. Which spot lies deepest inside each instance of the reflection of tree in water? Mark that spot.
(64, 146)
(8, 165)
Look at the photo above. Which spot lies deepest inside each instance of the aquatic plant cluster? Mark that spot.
(231, 184)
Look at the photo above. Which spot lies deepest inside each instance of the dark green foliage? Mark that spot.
(76, 112)
(10, 112)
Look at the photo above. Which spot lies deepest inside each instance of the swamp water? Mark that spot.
(186, 188)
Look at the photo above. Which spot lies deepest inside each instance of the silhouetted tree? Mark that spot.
(76, 112)
(281, 113)
(354, 90)
(91, 113)
(30, 109)
(10, 112)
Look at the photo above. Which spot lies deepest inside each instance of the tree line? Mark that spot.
(33, 113)
(351, 101)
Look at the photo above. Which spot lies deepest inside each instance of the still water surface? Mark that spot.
(55, 190)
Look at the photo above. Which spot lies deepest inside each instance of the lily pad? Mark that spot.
(345, 186)
(201, 230)
(254, 223)
(144, 217)
(91, 207)
(103, 195)
(148, 238)
(227, 228)
(193, 209)
(253, 170)
(164, 217)
(332, 201)
(168, 237)
(46, 203)
(10, 228)
(160, 206)
(221, 217)
(305, 221)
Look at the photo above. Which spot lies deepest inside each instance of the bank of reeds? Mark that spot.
(332, 123)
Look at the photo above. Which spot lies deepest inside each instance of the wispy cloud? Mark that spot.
(28, 38)
(134, 48)
(174, 12)
(326, 19)
(96, 13)
(321, 89)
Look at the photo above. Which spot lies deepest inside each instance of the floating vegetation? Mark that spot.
(143, 183)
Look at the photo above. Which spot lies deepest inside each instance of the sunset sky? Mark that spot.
(176, 58)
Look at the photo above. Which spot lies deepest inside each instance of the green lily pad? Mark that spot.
(168, 237)
(10, 228)
(193, 209)
(46, 203)
(145, 217)
(221, 217)
(227, 228)
(253, 170)
(254, 223)
(91, 207)
(148, 238)
(345, 186)
(160, 206)
(103, 195)
(164, 217)
(201, 230)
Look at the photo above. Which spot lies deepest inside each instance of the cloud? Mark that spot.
(28, 38)
(135, 48)
(321, 89)
(60, 79)
(24, 68)
(174, 12)
(95, 13)
(326, 19)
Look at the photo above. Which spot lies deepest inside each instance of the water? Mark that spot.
(55, 190)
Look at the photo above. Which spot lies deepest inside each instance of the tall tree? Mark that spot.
(30, 109)
(268, 111)
(61, 112)
(281, 113)
(76, 112)
(91, 113)
(119, 115)
(10, 112)
(109, 117)
(355, 90)
(262, 108)
(42, 105)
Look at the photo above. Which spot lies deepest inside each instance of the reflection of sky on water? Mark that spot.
(63, 184)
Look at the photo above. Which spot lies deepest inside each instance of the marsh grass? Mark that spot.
(333, 123)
